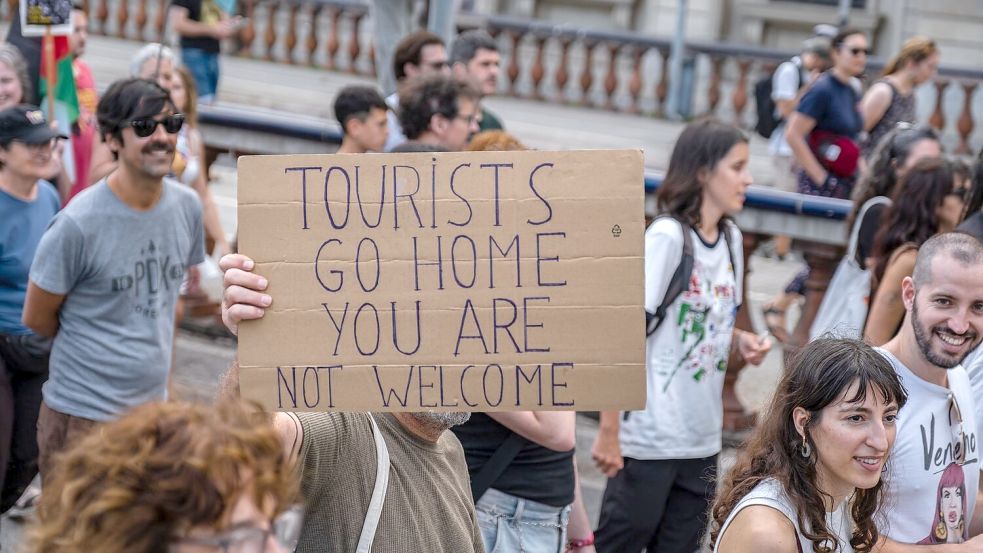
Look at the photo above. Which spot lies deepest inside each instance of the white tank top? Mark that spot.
(769, 493)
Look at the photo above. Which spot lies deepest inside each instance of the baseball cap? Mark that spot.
(25, 123)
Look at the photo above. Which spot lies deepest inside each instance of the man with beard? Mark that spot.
(421, 501)
(106, 275)
(474, 56)
(933, 473)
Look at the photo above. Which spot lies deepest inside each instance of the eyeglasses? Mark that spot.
(285, 529)
(858, 51)
(961, 192)
(146, 126)
(472, 118)
(959, 438)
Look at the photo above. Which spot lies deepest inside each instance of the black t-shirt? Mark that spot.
(204, 11)
(536, 473)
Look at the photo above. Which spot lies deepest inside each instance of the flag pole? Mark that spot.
(48, 51)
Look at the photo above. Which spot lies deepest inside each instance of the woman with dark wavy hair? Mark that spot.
(172, 477)
(810, 477)
(926, 202)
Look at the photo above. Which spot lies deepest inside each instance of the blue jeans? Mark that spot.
(512, 525)
(204, 68)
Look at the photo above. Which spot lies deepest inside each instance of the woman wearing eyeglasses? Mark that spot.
(174, 477)
(926, 202)
(891, 100)
(810, 476)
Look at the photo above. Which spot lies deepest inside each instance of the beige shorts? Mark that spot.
(784, 173)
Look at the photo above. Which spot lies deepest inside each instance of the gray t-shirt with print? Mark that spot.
(120, 271)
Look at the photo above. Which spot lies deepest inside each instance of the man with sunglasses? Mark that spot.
(106, 276)
(938, 427)
(420, 53)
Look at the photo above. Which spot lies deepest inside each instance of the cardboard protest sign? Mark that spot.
(38, 17)
(475, 281)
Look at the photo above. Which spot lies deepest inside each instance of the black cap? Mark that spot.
(25, 123)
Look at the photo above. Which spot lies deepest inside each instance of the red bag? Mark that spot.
(839, 154)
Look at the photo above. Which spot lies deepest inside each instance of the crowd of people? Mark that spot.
(869, 442)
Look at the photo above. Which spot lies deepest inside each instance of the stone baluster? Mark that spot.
(270, 35)
(312, 33)
(587, 75)
(122, 16)
(611, 79)
(102, 15)
(822, 260)
(965, 122)
(248, 34)
(513, 72)
(662, 88)
(354, 48)
(713, 89)
(160, 20)
(937, 120)
(739, 97)
(635, 83)
(736, 417)
(332, 45)
(562, 75)
(291, 40)
(373, 70)
(538, 70)
(141, 19)
(12, 6)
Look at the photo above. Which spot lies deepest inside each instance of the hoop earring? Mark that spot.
(805, 449)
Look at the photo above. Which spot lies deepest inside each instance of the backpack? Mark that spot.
(768, 121)
(679, 282)
(843, 310)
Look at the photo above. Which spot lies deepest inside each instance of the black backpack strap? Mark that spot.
(496, 465)
(729, 240)
(678, 284)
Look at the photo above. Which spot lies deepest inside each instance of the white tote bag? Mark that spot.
(843, 311)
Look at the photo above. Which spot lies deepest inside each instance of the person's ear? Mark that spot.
(114, 142)
(908, 292)
(703, 175)
(800, 418)
(438, 124)
(353, 126)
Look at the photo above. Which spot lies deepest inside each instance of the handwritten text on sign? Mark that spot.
(453, 281)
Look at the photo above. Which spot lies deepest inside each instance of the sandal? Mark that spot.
(775, 321)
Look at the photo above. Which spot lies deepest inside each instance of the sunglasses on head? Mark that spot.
(145, 126)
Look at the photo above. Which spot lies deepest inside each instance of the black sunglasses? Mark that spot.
(858, 51)
(146, 126)
(962, 192)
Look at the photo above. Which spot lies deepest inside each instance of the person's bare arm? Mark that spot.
(887, 308)
(874, 104)
(213, 225)
(976, 525)
(798, 128)
(554, 430)
(579, 527)
(291, 434)
(41, 310)
(786, 107)
(887, 545)
(607, 447)
(102, 163)
(181, 22)
(759, 529)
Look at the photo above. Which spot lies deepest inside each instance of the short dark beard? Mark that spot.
(923, 340)
(441, 421)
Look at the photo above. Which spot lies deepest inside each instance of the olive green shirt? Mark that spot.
(428, 503)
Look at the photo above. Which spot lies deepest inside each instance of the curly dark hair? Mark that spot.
(912, 216)
(700, 147)
(425, 96)
(881, 176)
(136, 484)
(818, 376)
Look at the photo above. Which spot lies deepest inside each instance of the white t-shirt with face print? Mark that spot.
(934, 469)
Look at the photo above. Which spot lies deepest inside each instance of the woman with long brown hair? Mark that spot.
(926, 202)
(809, 478)
(891, 100)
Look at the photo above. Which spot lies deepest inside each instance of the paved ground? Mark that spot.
(199, 361)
